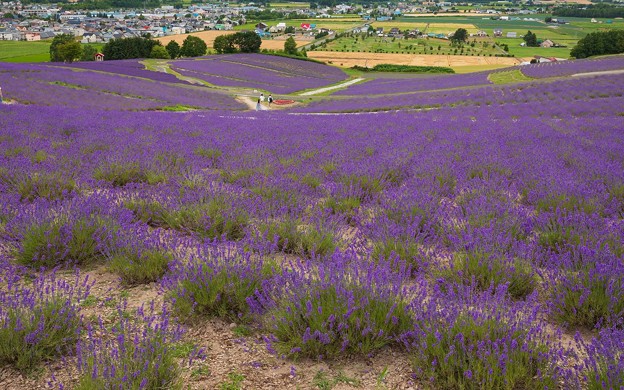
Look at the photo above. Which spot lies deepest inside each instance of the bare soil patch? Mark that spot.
(349, 59)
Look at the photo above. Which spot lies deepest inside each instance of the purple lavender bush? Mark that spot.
(604, 364)
(39, 320)
(481, 340)
(136, 353)
(216, 282)
(78, 232)
(345, 305)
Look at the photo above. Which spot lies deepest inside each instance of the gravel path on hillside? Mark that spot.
(341, 85)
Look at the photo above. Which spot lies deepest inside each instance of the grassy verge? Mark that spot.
(512, 76)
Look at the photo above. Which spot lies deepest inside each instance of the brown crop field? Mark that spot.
(349, 59)
(209, 37)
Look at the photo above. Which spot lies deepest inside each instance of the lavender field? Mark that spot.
(471, 238)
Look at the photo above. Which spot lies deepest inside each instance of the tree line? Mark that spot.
(590, 11)
(599, 43)
(65, 48)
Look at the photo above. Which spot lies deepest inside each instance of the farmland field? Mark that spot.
(159, 230)
(209, 37)
(349, 59)
(17, 51)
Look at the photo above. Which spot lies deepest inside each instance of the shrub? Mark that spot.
(604, 364)
(482, 341)
(589, 291)
(216, 284)
(120, 174)
(136, 266)
(346, 206)
(81, 240)
(215, 218)
(40, 321)
(406, 249)
(485, 271)
(293, 236)
(344, 306)
(133, 354)
(211, 154)
(49, 186)
(363, 187)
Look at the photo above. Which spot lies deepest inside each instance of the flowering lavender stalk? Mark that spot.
(217, 282)
(483, 341)
(38, 321)
(604, 363)
(136, 353)
(346, 305)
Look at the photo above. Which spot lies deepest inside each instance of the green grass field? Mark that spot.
(512, 76)
(22, 51)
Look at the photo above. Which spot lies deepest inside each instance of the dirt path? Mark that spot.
(341, 85)
(251, 103)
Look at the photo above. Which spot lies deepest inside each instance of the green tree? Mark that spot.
(193, 47)
(460, 35)
(159, 51)
(119, 49)
(599, 43)
(224, 44)
(58, 41)
(70, 51)
(290, 46)
(173, 48)
(247, 42)
(530, 39)
(289, 30)
(88, 53)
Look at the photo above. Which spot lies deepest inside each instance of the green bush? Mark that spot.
(136, 267)
(487, 272)
(29, 337)
(64, 240)
(292, 236)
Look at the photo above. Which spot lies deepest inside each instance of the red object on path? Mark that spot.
(281, 102)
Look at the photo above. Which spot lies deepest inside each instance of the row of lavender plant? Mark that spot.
(260, 71)
(388, 85)
(37, 84)
(125, 67)
(567, 68)
(564, 93)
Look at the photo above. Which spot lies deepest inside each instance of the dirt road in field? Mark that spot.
(349, 59)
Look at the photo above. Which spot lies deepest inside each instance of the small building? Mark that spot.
(547, 43)
(98, 56)
(512, 34)
(498, 32)
(394, 31)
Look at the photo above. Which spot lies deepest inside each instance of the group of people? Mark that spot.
(261, 100)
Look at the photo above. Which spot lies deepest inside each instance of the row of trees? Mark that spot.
(599, 43)
(590, 11)
(65, 48)
(240, 42)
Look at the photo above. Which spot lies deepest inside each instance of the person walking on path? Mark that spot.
(262, 97)
(258, 106)
(270, 99)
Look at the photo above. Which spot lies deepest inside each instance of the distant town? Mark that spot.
(33, 22)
